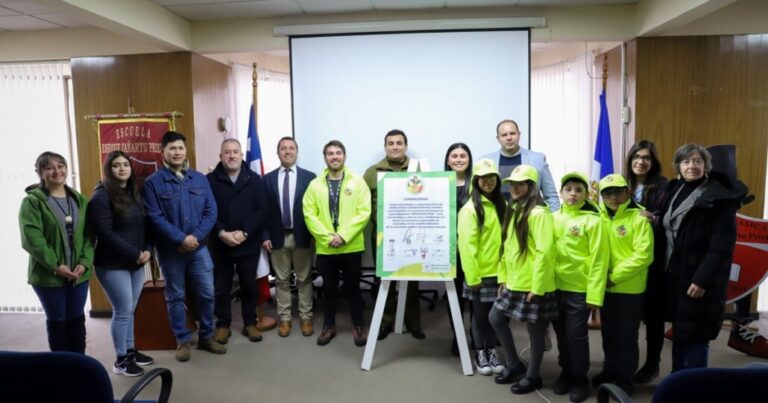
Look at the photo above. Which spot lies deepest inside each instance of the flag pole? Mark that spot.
(255, 86)
(265, 322)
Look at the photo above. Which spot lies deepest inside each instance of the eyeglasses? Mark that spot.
(646, 158)
(694, 161)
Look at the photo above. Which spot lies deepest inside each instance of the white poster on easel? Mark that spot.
(415, 241)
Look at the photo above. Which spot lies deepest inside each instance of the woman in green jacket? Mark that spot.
(479, 243)
(52, 226)
(526, 278)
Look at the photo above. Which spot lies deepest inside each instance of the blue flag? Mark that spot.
(602, 164)
(253, 154)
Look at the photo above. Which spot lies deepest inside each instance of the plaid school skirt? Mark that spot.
(487, 292)
(512, 304)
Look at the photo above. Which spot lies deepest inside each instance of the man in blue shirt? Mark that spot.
(181, 212)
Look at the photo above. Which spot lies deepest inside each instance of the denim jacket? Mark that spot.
(178, 207)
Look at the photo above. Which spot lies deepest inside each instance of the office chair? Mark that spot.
(64, 377)
(700, 385)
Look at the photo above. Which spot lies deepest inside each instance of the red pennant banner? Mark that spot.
(140, 138)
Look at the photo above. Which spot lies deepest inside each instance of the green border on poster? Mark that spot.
(415, 271)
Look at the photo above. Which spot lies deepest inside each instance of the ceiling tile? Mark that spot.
(201, 12)
(270, 8)
(406, 4)
(28, 7)
(63, 20)
(182, 2)
(480, 3)
(25, 23)
(6, 11)
(334, 6)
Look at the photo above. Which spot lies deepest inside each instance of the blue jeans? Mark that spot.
(687, 355)
(123, 288)
(63, 303)
(198, 268)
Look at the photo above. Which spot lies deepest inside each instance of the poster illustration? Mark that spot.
(416, 234)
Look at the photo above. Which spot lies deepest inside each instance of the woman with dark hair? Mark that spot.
(643, 170)
(116, 216)
(52, 226)
(697, 237)
(458, 158)
(526, 277)
(479, 229)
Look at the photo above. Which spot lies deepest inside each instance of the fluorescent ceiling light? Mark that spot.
(409, 25)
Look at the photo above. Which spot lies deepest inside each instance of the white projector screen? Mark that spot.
(438, 87)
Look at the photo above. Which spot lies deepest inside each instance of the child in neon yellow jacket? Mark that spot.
(479, 229)
(526, 278)
(631, 240)
(581, 268)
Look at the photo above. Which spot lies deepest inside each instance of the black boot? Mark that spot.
(57, 335)
(76, 334)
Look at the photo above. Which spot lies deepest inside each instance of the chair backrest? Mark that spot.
(61, 377)
(703, 385)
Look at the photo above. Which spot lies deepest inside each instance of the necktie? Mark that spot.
(286, 201)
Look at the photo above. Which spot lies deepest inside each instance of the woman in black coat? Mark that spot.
(646, 185)
(697, 235)
(116, 217)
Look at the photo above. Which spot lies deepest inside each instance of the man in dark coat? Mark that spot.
(242, 212)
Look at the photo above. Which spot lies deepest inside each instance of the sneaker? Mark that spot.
(211, 346)
(481, 362)
(252, 333)
(222, 335)
(669, 334)
(328, 333)
(359, 336)
(183, 352)
(127, 366)
(748, 341)
(647, 373)
(139, 358)
(494, 361)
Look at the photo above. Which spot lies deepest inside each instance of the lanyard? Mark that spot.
(334, 200)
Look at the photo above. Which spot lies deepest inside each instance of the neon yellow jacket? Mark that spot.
(480, 251)
(354, 212)
(631, 240)
(582, 251)
(533, 272)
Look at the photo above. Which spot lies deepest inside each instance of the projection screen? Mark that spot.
(438, 87)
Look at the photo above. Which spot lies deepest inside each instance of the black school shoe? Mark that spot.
(526, 385)
(510, 375)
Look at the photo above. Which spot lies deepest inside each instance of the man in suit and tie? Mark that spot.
(287, 238)
(511, 155)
